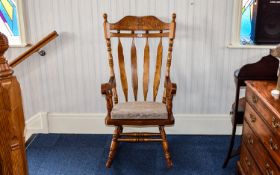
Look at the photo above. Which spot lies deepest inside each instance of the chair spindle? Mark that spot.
(168, 64)
(110, 59)
(112, 73)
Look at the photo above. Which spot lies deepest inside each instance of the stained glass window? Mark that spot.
(9, 23)
(246, 22)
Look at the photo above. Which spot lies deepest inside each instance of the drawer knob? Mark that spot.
(269, 171)
(248, 163)
(275, 124)
(273, 146)
(253, 118)
(255, 99)
(250, 140)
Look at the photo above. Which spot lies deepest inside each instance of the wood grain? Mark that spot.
(128, 25)
(134, 69)
(158, 70)
(12, 142)
(260, 136)
(114, 146)
(264, 69)
(122, 70)
(247, 161)
(140, 23)
(146, 69)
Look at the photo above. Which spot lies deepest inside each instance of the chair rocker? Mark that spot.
(139, 113)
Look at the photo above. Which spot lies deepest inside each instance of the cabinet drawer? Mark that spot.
(247, 162)
(269, 117)
(259, 139)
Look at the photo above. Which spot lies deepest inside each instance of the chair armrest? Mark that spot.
(171, 89)
(106, 89)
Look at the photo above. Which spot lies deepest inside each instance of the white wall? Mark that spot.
(68, 78)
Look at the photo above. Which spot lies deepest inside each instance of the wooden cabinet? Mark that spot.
(260, 149)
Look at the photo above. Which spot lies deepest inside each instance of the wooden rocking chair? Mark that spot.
(139, 113)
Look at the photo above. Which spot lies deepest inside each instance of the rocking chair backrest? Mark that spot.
(139, 27)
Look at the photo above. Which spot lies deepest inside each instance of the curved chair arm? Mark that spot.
(106, 89)
(171, 89)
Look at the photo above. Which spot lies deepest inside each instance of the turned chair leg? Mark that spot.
(165, 147)
(114, 146)
(229, 154)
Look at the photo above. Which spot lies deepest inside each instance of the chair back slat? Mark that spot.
(122, 70)
(158, 70)
(146, 69)
(134, 69)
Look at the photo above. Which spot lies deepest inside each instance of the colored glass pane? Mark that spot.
(8, 18)
(246, 22)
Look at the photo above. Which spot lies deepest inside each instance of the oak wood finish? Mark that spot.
(146, 69)
(240, 170)
(134, 69)
(114, 145)
(259, 136)
(158, 70)
(265, 69)
(122, 70)
(34, 49)
(12, 125)
(110, 58)
(146, 27)
(248, 162)
(144, 23)
(165, 147)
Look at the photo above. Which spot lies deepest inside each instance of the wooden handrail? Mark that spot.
(34, 49)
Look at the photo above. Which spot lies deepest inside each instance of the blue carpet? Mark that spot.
(62, 154)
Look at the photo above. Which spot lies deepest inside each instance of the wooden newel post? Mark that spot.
(12, 142)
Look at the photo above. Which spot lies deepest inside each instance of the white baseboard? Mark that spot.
(36, 124)
(93, 123)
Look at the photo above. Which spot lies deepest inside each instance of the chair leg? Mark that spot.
(165, 147)
(229, 154)
(114, 146)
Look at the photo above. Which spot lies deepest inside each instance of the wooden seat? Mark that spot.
(133, 112)
(139, 110)
(265, 69)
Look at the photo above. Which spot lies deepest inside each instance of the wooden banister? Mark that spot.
(34, 49)
(12, 142)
